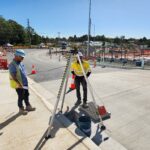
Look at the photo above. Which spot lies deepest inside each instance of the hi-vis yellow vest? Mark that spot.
(77, 68)
(13, 83)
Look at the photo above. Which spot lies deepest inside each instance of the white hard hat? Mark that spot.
(80, 54)
(20, 52)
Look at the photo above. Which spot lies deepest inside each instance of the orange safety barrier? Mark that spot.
(102, 110)
(3, 63)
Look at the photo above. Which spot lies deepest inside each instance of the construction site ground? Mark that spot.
(26, 132)
(125, 93)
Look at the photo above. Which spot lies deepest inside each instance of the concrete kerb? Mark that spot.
(121, 67)
(70, 126)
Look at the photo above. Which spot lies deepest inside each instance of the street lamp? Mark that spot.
(89, 29)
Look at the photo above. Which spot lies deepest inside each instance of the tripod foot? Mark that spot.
(47, 137)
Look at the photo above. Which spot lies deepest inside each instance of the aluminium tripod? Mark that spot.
(65, 77)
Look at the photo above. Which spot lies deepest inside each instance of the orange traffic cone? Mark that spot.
(72, 86)
(33, 70)
(102, 112)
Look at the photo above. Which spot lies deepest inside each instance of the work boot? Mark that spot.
(85, 105)
(22, 111)
(30, 108)
(78, 102)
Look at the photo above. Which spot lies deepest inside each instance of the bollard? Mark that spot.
(3, 63)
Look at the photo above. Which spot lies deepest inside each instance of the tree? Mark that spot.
(11, 31)
(17, 32)
(4, 33)
(36, 39)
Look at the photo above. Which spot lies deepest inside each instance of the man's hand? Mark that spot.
(20, 86)
(18, 83)
(73, 72)
(88, 74)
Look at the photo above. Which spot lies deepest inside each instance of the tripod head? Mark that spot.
(74, 51)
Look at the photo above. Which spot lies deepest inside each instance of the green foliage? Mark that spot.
(16, 34)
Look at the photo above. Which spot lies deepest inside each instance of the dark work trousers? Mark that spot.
(82, 81)
(23, 94)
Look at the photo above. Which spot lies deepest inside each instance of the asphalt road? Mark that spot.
(47, 68)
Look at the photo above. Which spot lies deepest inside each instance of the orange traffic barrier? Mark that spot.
(72, 86)
(33, 70)
(103, 112)
(3, 63)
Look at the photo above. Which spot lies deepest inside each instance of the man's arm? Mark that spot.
(88, 74)
(88, 70)
(12, 70)
(72, 69)
(14, 78)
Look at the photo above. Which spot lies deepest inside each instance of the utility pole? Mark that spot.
(28, 28)
(58, 42)
(89, 29)
(58, 35)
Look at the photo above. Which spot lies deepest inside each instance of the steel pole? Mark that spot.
(89, 29)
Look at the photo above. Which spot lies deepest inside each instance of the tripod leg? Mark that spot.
(67, 77)
(58, 97)
(91, 91)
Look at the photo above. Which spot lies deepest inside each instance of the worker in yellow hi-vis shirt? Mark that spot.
(80, 79)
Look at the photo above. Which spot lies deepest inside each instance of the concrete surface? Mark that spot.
(24, 132)
(125, 94)
(99, 136)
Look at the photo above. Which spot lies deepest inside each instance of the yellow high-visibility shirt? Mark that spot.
(77, 68)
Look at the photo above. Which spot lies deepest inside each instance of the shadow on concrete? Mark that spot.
(56, 126)
(98, 138)
(75, 144)
(41, 142)
(73, 115)
(8, 121)
(1, 133)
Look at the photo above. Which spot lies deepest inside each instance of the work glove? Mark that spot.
(73, 72)
(88, 74)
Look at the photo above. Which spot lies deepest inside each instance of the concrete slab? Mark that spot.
(125, 94)
(24, 132)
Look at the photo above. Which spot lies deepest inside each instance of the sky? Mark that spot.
(64, 18)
